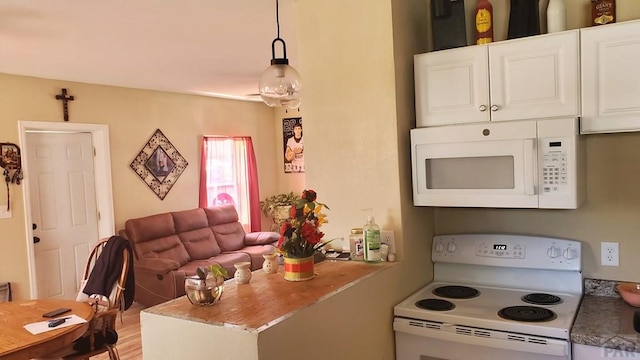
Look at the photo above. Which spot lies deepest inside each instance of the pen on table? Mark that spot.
(63, 318)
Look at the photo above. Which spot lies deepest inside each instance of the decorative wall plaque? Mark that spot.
(159, 164)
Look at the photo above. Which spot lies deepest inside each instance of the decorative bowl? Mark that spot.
(630, 292)
(203, 292)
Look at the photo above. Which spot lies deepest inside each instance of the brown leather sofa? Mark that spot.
(169, 247)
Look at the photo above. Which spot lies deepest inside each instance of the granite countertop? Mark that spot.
(604, 319)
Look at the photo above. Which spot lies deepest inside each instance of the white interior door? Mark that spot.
(63, 208)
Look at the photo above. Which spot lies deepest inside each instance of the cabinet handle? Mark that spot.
(482, 108)
(494, 108)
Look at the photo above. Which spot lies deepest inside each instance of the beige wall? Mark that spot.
(609, 214)
(356, 61)
(132, 116)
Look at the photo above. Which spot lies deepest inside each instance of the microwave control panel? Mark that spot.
(554, 165)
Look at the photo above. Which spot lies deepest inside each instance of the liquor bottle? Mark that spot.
(484, 22)
(556, 16)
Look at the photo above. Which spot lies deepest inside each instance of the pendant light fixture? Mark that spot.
(280, 83)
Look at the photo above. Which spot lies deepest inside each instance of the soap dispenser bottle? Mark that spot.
(371, 233)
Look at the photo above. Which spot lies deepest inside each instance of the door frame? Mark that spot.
(102, 175)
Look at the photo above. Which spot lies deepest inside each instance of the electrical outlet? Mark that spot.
(386, 237)
(610, 252)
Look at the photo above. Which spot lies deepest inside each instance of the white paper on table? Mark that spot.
(43, 326)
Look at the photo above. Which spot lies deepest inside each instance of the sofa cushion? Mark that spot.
(193, 229)
(200, 243)
(169, 247)
(228, 232)
(261, 238)
(155, 237)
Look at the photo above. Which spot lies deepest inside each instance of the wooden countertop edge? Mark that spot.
(180, 308)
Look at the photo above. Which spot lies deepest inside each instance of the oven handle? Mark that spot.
(415, 327)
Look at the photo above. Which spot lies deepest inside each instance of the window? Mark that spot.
(228, 175)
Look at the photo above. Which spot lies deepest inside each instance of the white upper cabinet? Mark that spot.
(610, 57)
(528, 78)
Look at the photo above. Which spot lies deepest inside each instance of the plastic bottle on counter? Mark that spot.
(356, 244)
(484, 22)
(556, 16)
(371, 233)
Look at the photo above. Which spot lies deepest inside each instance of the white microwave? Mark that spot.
(515, 164)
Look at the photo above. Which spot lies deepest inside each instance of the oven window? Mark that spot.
(483, 172)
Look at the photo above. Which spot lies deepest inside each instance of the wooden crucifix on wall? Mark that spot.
(65, 99)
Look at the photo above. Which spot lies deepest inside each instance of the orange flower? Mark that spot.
(300, 236)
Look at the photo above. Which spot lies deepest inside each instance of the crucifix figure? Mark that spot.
(65, 99)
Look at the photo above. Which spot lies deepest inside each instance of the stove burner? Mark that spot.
(435, 304)
(527, 313)
(541, 299)
(456, 292)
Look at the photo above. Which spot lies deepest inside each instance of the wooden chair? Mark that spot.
(103, 325)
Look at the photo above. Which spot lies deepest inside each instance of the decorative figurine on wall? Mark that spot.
(10, 162)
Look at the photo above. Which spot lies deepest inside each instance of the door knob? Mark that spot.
(34, 226)
(36, 239)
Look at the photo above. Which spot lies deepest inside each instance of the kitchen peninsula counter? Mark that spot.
(604, 320)
(242, 321)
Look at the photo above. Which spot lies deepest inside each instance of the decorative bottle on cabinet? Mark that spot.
(556, 16)
(524, 19)
(484, 22)
(371, 240)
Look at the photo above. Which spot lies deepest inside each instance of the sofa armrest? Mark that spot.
(156, 266)
(261, 238)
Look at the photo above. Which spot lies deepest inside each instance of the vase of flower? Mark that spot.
(300, 236)
(298, 269)
(270, 264)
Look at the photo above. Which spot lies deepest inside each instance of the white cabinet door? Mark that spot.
(535, 77)
(452, 86)
(528, 78)
(610, 78)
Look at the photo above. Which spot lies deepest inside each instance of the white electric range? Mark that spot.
(494, 296)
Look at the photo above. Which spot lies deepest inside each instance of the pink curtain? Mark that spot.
(251, 176)
(203, 196)
(254, 193)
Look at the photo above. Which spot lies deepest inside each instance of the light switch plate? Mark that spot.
(386, 237)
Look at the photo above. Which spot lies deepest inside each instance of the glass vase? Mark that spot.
(203, 292)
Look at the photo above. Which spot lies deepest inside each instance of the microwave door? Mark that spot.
(500, 173)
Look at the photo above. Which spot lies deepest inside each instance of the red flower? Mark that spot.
(309, 195)
(310, 233)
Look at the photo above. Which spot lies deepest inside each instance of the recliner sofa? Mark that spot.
(168, 247)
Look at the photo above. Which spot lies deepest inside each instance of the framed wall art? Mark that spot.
(293, 145)
(159, 164)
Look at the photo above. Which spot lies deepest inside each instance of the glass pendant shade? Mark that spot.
(280, 85)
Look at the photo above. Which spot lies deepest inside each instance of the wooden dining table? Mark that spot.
(18, 343)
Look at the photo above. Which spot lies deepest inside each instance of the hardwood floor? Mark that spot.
(129, 341)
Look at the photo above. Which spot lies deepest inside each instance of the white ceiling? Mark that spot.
(207, 47)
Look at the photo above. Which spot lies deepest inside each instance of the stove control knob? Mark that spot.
(570, 253)
(439, 247)
(554, 252)
(451, 247)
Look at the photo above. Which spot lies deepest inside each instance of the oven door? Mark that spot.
(425, 340)
(487, 165)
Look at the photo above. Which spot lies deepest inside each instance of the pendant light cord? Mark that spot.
(278, 19)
